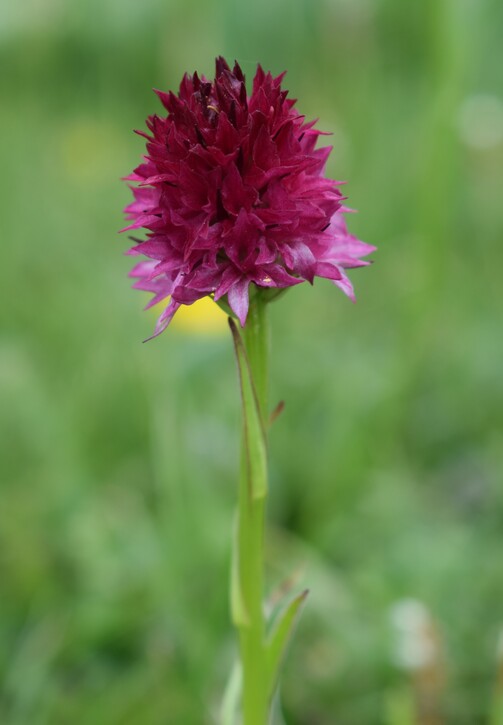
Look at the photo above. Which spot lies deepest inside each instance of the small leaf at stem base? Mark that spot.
(280, 636)
(232, 695)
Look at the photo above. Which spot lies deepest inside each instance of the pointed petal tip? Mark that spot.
(277, 412)
(152, 337)
(221, 65)
(238, 299)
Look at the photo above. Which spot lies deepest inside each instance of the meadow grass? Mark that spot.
(119, 459)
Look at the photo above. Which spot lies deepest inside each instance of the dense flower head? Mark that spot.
(233, 196)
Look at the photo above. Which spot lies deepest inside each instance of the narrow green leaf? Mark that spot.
(254, 437)
(239, 612)
(281, 634)
(232, 696)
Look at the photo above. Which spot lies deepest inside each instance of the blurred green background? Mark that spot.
(119, 459)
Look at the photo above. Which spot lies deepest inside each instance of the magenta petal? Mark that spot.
(345, 285)
(280, 276)
(164, 319)
(302, 260)
(142, 269)
(147, 281)
(186, 295)
(328, 270)
(235, 194)
(238, 299)
(155, 249)
(267, 252)
(158, 179)
(353, 247)
(344, 260)
(229, 277)
(144, 220)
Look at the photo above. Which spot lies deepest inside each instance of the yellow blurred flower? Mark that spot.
(204, 317)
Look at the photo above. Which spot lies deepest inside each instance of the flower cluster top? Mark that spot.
(232, 193)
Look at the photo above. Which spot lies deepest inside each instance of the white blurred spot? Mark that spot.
(38, 15)
(409, 614)
(480, 121)
(499, 646)
(356, 11)
(415, 645)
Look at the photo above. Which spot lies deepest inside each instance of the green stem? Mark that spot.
(256, 339)
(250, 538)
